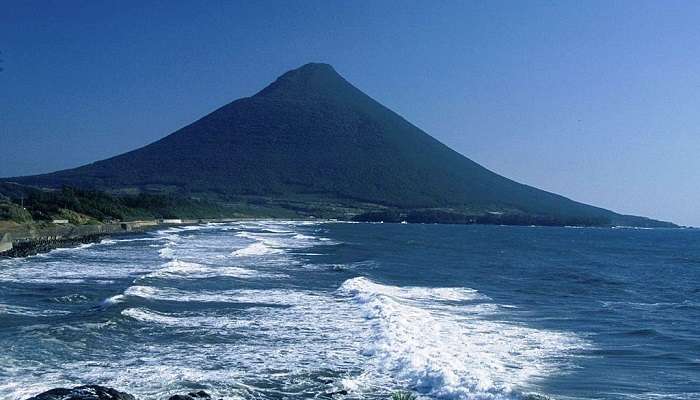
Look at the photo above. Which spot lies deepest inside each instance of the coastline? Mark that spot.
(30, 240)
(190, 283)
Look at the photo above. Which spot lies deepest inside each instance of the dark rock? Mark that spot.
(534, 396)
(341, 392)
(88, 392)
(201, 395)
(44, 245)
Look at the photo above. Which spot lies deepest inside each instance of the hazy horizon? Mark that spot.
(596, 102)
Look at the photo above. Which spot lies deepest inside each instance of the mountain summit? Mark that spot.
(313, 79)
(312, 134)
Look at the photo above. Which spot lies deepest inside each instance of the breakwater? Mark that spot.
(28, 240)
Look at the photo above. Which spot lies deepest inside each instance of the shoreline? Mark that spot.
(98, 392)
(39, 246)
(31, 241)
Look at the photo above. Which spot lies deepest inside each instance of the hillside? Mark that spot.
(26, 205)
(312, 135)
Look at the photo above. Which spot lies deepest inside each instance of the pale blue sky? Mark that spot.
(598, 101)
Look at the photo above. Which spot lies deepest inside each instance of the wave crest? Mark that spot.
(450, 350)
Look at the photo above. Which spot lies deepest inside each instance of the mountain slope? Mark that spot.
(312, 133)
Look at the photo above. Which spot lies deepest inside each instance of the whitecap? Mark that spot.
(178, 269)
(113, 300)
(206, 322)
(255, 249)
(365, 287)
(451, 350)
(82, 246)
(253, 296)
(166, 252)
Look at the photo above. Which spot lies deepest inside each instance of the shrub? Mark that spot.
(401, 395)
(13, 212)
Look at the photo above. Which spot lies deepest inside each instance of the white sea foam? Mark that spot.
(300, 236)
(171, 238)
(276, 296)
(144, 239)
(178, 321)
(166, 252)
(285, 237)
(178, 269)
(453, 352)
(100, 268)
(294, 331)
(445, 342)
(79, 247)
(365, 287)
(113, 300)
(285, 344)
(647, 306)
(70, 298)
(256, 249)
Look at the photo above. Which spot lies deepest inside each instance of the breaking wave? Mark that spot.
(438, 341)
(289, 320)
(255, 249)
(178, 269)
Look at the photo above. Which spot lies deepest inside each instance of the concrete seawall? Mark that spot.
(63, 232)
(5, 243)
(27, 240)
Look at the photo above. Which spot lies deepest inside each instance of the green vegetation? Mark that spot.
(25, 204)
(447, 216)
(13, 212)
(403, 395)
(90, 206)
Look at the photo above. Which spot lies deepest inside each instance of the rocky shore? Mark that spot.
(43, 245)
(96, 392)
(30, 240)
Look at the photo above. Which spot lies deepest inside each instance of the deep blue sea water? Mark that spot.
(273, 309)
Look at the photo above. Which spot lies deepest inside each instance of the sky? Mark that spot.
(595, 100)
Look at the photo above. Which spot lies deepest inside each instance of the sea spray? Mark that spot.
(438, 341)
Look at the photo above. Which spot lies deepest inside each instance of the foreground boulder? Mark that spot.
(201, 395)
(88, 392)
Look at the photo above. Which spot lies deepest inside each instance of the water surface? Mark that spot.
(274, 309)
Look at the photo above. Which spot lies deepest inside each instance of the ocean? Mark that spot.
(292, 310)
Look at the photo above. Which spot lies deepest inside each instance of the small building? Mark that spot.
(171, 221)
(141, 224)
(59, 221)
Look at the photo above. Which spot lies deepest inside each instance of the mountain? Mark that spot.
(313, 134)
